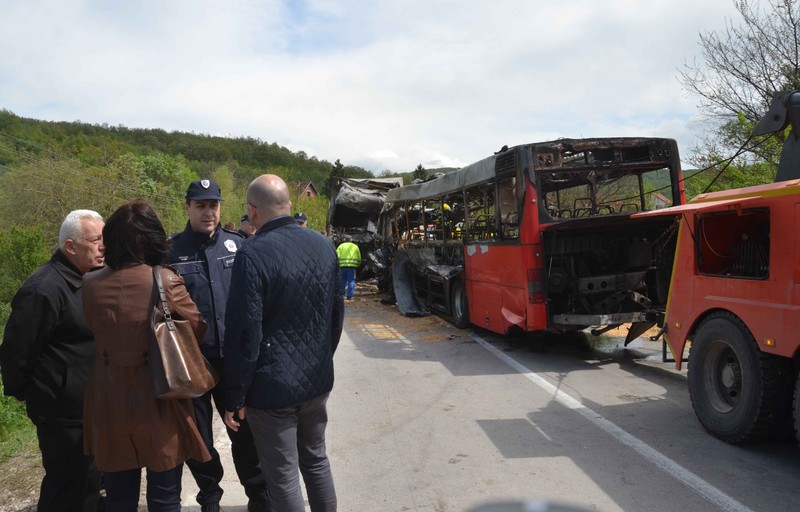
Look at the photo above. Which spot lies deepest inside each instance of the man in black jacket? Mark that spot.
(203, 255)
(284, 318)
(45, 359)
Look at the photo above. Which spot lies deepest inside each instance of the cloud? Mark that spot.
(384, 84)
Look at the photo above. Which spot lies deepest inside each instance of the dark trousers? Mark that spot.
(71, 480)
(289, 438)
(208, 475)
(163, 490)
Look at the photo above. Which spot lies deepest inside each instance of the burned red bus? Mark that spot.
(539, 237)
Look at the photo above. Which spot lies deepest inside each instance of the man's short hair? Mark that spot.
(71, 228)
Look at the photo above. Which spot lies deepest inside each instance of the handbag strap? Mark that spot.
(163, 297)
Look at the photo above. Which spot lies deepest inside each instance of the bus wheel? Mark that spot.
(732, 384)
(458, 304)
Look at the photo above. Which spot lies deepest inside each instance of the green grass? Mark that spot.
(17, 433)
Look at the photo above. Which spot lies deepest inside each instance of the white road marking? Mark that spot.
(663, 462)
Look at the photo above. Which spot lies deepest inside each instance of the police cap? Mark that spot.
(203, 189)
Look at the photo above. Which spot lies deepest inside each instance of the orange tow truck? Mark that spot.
(734, 297)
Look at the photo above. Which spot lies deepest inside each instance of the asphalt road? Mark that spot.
(426, 417)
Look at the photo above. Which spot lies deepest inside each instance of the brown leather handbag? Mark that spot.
(177, 366)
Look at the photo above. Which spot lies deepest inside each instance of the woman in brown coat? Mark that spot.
(125, 427)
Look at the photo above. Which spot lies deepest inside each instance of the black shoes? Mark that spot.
(210, 507)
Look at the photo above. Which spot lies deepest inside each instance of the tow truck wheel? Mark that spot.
(458, 304)
(732, 384)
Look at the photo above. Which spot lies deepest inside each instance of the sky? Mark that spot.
(381, 84)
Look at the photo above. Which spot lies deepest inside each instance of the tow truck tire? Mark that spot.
(459, 307)
(737, 391)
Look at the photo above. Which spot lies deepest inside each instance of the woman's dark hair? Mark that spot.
(134, 234)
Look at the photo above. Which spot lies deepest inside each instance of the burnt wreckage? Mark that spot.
(541, 237)
(354, 210)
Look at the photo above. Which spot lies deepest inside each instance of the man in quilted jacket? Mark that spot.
(284, 319)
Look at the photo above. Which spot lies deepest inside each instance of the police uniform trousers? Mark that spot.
(208, 475)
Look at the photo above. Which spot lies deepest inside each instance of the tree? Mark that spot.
(315, 208)
(161, 179)
(232, 206)
(743, 66)
(420, 173)
(22, 250)
(331, 185)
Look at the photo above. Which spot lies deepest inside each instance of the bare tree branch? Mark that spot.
(742, 67)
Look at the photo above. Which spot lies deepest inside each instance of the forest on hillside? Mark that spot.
(146, 161)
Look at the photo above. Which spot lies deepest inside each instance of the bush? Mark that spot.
(16, 430)
(22, 250)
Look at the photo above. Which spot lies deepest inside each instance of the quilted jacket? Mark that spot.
(284, 318)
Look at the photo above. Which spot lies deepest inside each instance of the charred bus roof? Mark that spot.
(549, 159)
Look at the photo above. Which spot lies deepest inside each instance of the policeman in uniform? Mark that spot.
(301, 219)
(203, 254)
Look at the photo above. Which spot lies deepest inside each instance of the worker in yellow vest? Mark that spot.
(349, 260)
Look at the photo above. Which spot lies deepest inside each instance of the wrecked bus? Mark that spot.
(539, 237)
(354, 209)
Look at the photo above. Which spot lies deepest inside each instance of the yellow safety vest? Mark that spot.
(349, 255)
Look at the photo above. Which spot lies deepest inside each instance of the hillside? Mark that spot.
(101, 145)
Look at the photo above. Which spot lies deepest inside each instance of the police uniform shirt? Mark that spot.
(205, 263)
